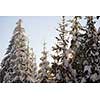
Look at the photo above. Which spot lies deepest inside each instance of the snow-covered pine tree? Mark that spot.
(44, 67)
(88, 56)
(60, 67)
(77, 31)
(32, 62)
(17, 65)
(35, 73)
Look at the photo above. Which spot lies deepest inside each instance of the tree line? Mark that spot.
(76, 55)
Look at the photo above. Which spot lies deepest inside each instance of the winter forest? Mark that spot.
(75, 54)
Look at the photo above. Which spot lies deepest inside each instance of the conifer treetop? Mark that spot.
(63, 20)
(44, 46)
(44, 52)
(19, 28)
(62, 26)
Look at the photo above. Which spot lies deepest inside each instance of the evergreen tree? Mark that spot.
(88, 54)
(35, 73)
(60, 67)
(44, 67)
(77, 33)
(32, 62)
(17, 66)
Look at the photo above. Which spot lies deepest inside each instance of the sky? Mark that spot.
(37, 28)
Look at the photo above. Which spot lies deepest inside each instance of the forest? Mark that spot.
(76, 55)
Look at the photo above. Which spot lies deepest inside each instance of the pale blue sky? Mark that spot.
(37, 28)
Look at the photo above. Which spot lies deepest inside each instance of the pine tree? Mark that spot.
(60, 67)
(88, 55)
(35, 73)
(17, 65)
(32, 62)
(77, 33)
(44, 67)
